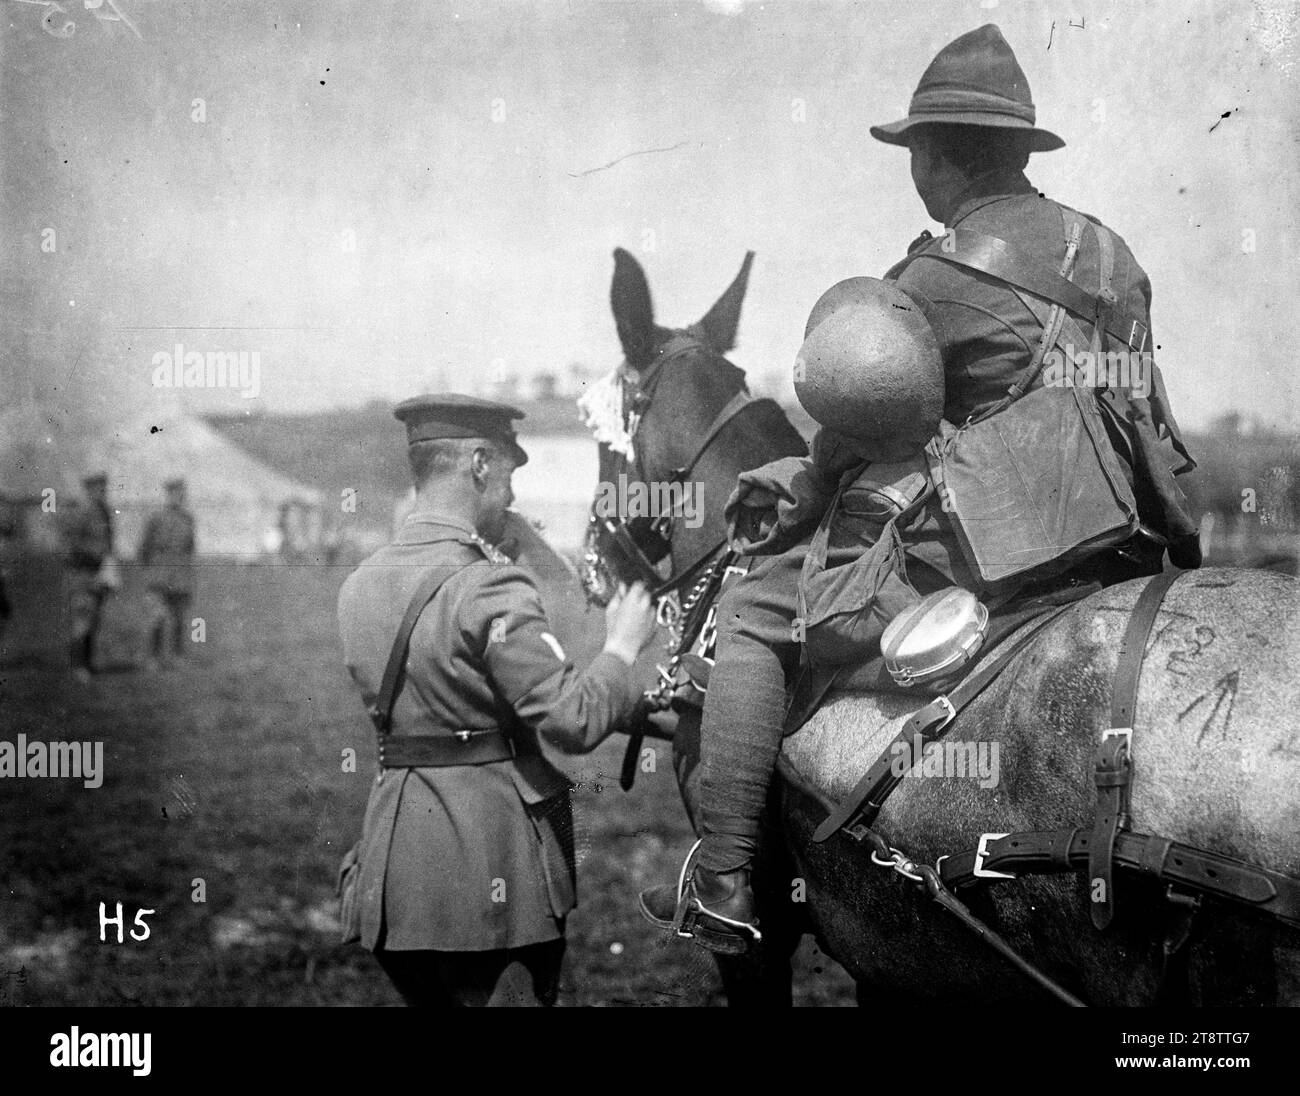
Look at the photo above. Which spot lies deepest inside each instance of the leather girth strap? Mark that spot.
(1113, 773)
(860, 807)
(1005, 856)
(462, 747)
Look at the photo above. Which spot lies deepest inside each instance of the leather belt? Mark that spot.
(443, 751)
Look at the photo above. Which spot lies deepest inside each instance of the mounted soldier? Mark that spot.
(1040, 480)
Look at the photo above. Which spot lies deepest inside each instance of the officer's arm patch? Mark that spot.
(554, 645)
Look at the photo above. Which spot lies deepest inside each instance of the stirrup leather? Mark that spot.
(690, 910)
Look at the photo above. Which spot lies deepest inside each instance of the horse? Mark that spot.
(702, 432)
(1215, 756)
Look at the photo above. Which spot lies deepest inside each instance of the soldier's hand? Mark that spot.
(629, 622)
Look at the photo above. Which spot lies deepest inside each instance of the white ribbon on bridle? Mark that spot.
(601, 408)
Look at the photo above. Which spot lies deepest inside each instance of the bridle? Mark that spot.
(643, 543)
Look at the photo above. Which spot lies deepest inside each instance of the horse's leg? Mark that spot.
(761, 978)
(1252, 977)
(1286, 960)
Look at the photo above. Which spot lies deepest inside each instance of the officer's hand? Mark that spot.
(759, 498)
(629, 622)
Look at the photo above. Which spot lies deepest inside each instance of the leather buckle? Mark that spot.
(1141, 344)
(981, 854)
(1125, 732)
(462, 736)
(950, 713)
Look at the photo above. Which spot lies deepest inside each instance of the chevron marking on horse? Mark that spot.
(1224, 695)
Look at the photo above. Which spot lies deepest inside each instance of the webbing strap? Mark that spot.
(1051, 322)
(996, 257)
(1106, 299)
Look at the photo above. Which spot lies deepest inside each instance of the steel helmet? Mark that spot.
(870, 368)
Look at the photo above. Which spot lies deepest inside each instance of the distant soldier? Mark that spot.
(465, 871)
(167, 552)
(90, 571)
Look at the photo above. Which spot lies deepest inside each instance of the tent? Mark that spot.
(242, 508)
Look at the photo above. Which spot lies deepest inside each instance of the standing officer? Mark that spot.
(167, 550)
(89, 571)
(465, 871)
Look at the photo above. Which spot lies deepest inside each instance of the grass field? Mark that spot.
(228, 771)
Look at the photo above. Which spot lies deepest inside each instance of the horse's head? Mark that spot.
(676, 425)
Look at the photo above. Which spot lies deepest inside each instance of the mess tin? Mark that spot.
(936, 639)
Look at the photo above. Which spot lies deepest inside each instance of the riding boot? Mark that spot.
(715, 909)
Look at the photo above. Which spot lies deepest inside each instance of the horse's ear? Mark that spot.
(719, 325)
(634, 314)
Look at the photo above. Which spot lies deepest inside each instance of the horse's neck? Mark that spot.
(748, 444)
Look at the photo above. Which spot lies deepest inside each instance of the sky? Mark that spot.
(383, 198)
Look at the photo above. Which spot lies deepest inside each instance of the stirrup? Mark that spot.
(690, 910)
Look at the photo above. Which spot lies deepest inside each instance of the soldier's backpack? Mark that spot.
(1034, 484)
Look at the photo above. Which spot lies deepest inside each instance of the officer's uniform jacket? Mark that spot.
(88, 536)
(168, 551)
(479, 857)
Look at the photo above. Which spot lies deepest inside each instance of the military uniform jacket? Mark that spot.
(88, 536)
(470, 858)
(168, 551)
(987, 336)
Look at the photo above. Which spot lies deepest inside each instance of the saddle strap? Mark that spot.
(1113, 773)
(1004, 856)
(860, 807)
